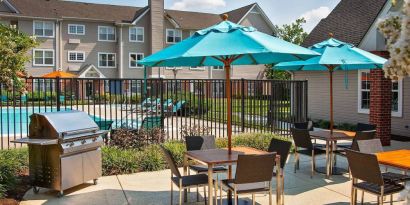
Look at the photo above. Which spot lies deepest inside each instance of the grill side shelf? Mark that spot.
(36, 141)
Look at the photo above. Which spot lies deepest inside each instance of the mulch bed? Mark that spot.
(15, 195)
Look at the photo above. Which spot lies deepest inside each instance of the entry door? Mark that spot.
(88, 89)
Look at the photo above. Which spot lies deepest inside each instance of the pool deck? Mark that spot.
(153, 188)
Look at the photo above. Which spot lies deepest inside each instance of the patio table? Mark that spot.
(398, 158)
(213, 157)
(331, 140)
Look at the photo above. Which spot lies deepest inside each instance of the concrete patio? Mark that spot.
(153, 188)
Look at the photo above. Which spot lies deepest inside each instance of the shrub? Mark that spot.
(177, 149)
(151, 159)
(119, 161)
(133, 139)
(346, 126)
(13, 163)
(259, 141)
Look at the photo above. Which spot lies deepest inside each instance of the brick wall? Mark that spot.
(380, 105)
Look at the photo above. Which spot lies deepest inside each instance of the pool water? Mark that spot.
(15, 120)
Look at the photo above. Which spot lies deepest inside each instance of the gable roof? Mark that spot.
(57, 9)
(193, 20)
(70, 9)
(237, 14)
(349, 21)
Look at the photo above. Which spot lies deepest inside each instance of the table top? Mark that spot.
(328, 136)
(396, 158)
(221, 156)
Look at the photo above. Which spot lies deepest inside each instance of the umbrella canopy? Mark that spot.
(59, 74)
(208, 46)
(226, 44)
(336, 55)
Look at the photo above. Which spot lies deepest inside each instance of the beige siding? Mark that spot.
(136, 47)
(346, 100)
(26, 26)
(5, 8)
(257, 21)
(90, 45)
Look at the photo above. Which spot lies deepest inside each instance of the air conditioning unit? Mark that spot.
(74, 41)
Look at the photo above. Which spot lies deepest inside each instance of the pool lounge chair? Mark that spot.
(151, 122)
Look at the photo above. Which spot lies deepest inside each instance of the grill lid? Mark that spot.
(67, 123)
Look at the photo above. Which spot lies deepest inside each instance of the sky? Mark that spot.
(279, 11)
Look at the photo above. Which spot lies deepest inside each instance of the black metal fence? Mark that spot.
(174, 106)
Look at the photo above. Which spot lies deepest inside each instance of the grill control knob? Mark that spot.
(71, 144)
(83, 142)
(94, 139)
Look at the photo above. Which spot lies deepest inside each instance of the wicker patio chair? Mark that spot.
(282, 148)
(182, 182)
(371, 179)
(202, 143)
(253, 175)
(304, 145)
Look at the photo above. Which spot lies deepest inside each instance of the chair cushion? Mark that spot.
(204, 169)
(246, 188)
(389, 188)
(344, 146)
(192, 180)
(395, 177)
(309, 152)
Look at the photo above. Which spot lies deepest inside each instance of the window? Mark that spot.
(397, 100)
(43, 57)
(76, 29)
(76, 56)
(364, 94)
(136, 34)
(134, 58)
(364, 91)
(43, 85)
(43, 28)
(174, 36)
(106, 33)
(197, 68)
(106, 60)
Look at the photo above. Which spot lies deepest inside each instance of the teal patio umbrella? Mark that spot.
(336, 55)
(226, 44)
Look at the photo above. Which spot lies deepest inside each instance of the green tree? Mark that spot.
(14, 47)
(293, 33)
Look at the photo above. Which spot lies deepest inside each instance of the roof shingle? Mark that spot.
(349, 21)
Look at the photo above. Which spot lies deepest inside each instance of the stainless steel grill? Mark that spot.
(64, 150)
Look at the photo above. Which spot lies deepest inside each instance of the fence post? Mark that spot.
(58, 93)
(243, 104)
(161, 104)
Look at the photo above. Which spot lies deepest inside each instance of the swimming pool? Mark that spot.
(15, 120)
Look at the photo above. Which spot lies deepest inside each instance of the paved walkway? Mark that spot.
(153, 188)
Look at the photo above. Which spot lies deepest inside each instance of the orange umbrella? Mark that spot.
(60, 74)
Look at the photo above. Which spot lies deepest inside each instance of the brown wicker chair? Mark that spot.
(253, 175)
(202, 143)
(304, 145)
(282, 148)
(182, 182)
(371, 179)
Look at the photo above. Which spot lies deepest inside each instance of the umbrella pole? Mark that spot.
(331, 99)
(228, 101)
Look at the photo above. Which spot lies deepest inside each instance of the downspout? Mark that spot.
(60, 42)
(57, 46)
(121, 53)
